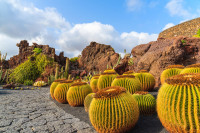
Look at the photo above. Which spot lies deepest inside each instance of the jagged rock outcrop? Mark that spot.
(157, 55)
(95, 57)
(25, 51)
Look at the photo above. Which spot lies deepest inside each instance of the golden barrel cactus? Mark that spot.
(53, 86)
(129, 82)
(178, 103)
(194, 68)
(106, 78)
(87, 101)
(131, 72)
(60, 92)
(93, 83)
(171, 70)
(113, 110)
(77, 93)
(146, 102)
(146, 79)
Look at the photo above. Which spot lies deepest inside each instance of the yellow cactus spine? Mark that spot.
(87, 101)
(146, 79)
(77, 93)
(60, 92)
(113, 110)
(53, 86)
(129, 82)
(171, 70)
(146, 102)
(93, 83)
(106, 78)
(194, 68)
(178, 104)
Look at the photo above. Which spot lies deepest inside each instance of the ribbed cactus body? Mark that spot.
(194, 68)
(178, 104)
(171, 70)
(60, 92)
(146, 102)
(77, 93)
(93, 83)
(87, 101)
(129, 82)
(106, 78)
(113, 110)
(146, 79)
(53, 86)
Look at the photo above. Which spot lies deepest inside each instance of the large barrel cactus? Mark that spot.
(87, 101)
(106, 78)
(146, 102)
(77, 93)
(53, 86)
(178, 103)
(171, 70)
(113, 110)
(194, 68)
(146, 79)
(129, 82)
(93, 83)
(60, 92)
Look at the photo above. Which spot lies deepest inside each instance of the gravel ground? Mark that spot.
(26, 111)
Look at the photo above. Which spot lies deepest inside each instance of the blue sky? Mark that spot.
(69, 25)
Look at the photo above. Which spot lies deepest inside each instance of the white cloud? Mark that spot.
(176, 8)
(168, 26)
(134, 4)
(47, 26)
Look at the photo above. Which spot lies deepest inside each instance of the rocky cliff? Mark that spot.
(157, 55)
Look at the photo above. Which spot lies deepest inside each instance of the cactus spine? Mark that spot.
(146, 102)
(129, 82)
(178, 103)
(93, 83)
(77, 93)
(113, 110)
(60, 92)
(171, 70)
(106, 78)
(194, 68)
(87, 101)
(146, 79)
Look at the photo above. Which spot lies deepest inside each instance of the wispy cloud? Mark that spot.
(168, 26)
(134, 4)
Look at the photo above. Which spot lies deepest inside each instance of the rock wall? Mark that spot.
(157, 55)
(95, 57)
(25, 51)
(188, 28)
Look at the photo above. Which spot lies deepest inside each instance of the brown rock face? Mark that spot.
(156, 56)
(95, 57)
(25, 51)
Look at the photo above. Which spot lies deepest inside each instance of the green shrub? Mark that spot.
(74, 59)
(198, 34)
(28, 82)
(37, 50)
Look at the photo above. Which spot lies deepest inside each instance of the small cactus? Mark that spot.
(146, 79)
(194, 68)
(113, 110)
(60, 92)
(93, 83)
(87, 101)
(129, 82)
(178, 105)
(106, 78)
(146, 102)
(77, 93)
(171, 70)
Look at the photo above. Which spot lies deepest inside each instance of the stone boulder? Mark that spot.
(96, 57)
(157, 55)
